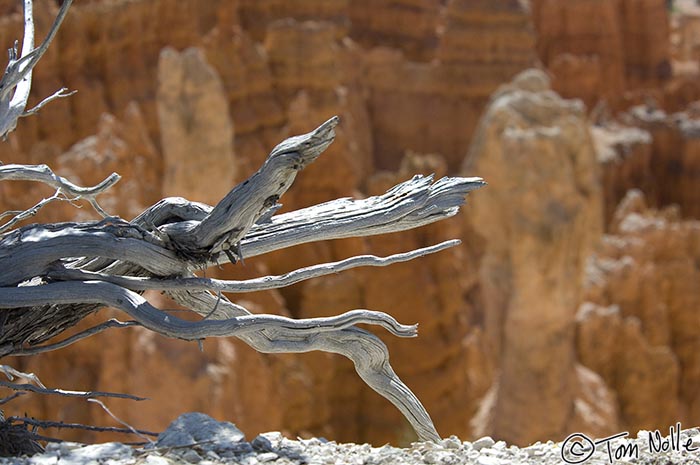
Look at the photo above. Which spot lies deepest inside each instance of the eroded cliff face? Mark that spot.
(194, 104)
(624, 358)
(195, 127)
(675, 156)
(434, 107)
(626, 48)
(625, 157)
(639, 328)
(513, 342)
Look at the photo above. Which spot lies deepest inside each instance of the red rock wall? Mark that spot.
(675, 159)
(500, 316)
(640, 329)
(407, 25)
(434, 107)
(625, 156)
(629, 39)
(251, 83)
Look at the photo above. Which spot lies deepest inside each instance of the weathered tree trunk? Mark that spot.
(54, 275)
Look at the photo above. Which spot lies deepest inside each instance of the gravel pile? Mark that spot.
(197, 438)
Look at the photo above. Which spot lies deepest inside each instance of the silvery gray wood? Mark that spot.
(54, 275)
(81, 267)
(65, 189)
(16, 83)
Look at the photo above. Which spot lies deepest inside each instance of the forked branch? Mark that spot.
(60, 273)
(16, 83)
(65, 190)
(52, 276)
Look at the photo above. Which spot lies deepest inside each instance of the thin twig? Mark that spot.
(7, 399)
(216, 305)
(23, 215)
(39, 437)
(61, 425)
(111, 323)
(249, 285)
(60, 93)
(10, 213)
(11, 373)
(20, 70)
(64, 393)
(117, 419)
(16, 83)
(44, 174)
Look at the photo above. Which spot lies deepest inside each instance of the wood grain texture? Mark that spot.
(54, 275)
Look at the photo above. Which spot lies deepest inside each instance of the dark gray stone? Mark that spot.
(198, 428)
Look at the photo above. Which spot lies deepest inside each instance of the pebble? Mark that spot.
(156, 460)
(500, 445)
(439, 457)
(195, 427)
(261, 443)
(249, 460)
(191, 456)
(267, 457)
(63, 448)
(480, 443)
(275, 449)
(43, 459)
(452, 442)
(486, 460)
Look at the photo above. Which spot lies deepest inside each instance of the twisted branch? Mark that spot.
(249, 285)
(111, 323)
(65, 188)
(107, 294)
(367, 352)
(57, 274)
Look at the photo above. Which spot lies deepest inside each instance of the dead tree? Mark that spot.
(54, 275)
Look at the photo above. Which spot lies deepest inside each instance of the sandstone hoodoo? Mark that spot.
(537, 231)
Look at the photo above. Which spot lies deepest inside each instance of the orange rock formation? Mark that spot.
(639, 328)
(514, 342)
(539, 218)
(626, 47)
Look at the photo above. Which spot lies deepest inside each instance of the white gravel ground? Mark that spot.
(197, 438)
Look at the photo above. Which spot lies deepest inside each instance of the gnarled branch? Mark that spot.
(107, 294)
(52, 276)
(44, 175)
(250, 285)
